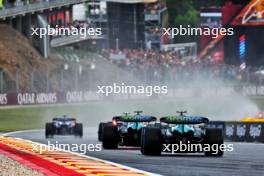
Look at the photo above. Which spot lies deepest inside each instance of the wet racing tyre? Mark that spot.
(78, 130)
(151, 142)
(101, 128)
(213, 138)
(100, 131)
(49, 130)
(110, 137)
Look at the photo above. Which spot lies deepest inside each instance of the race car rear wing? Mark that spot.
(135, 118)
(63, 119)
(182, 119)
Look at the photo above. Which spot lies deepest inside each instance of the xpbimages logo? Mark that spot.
(81, 148)
(83, 32)
(192, 147)
(191, 31)
(129, 89)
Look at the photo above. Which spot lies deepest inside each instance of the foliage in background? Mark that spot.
(186, 12)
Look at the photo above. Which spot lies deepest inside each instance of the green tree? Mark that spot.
(186, 12)
(182, 12)
(191, 17)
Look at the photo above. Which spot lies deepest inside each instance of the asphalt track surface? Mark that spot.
(247, 159)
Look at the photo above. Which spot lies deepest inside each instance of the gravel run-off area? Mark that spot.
(9, 167)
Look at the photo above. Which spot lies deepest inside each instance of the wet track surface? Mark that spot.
(246, 159)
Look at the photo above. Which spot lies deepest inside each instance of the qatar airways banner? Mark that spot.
(81, 96)
(28, 98)
(47, 98)
(34, 98)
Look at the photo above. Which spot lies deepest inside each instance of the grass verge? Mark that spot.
(29, 117)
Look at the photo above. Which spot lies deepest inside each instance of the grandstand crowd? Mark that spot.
(70, 27)
(172, 66)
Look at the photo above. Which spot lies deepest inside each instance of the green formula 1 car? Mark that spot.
(124, 130)
(181, 134)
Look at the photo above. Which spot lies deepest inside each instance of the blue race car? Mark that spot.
(63, 126)
(179, 130)
(124, 130)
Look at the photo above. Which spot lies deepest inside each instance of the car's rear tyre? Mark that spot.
(101, 128)
(110, 137)
(151, 142)
(100, 131)
(78, 130)
(214, 137)
(49, 130)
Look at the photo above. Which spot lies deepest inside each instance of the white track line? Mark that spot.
(75, 153)
(21, 131)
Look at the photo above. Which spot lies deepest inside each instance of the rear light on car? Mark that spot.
(114, 122)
